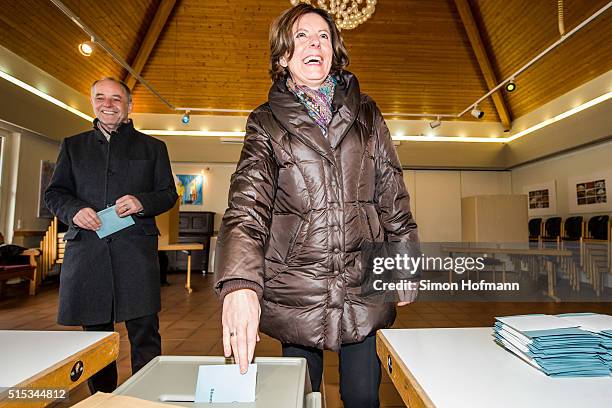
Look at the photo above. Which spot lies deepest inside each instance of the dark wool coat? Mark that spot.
(116, 277)
(300, 207)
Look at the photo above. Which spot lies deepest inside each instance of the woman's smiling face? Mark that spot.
(312, 51)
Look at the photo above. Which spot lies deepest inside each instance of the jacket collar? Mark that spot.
(123, 129)
(293, 116)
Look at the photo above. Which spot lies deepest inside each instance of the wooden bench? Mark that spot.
(27, 271)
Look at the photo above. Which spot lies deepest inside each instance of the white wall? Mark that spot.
(591, 160)
(435, 198)
(435, 195)
(22, 155)
(8, 181)
(33, 149)
(216, 186)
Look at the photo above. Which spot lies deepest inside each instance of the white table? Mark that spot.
(183, 247)
(463, 367)
(46, 359)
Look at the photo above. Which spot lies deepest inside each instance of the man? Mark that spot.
(116, 278)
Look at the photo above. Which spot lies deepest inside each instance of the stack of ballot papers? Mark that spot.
(595, 323)
(559, 346)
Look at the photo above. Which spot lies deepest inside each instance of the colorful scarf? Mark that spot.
(318, 102)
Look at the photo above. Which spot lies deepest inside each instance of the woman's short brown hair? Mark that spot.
(281, 39)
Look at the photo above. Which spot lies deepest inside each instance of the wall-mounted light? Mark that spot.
(477, 113)
(186, 118)
(87, 48)
(435, 123)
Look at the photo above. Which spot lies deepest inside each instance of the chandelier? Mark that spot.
(346, 16)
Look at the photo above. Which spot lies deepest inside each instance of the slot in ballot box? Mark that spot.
(282, 382)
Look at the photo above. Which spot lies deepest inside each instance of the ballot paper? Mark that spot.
(597, 323)
(557, 346)
(224, 383)
(111, 222)
(593, 322)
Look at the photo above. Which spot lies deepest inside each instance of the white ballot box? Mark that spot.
(282, 382)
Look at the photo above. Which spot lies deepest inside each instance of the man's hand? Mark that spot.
(127, 205)
(240, 322)
(87, 219)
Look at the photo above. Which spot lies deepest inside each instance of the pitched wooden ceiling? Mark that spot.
(412, 56)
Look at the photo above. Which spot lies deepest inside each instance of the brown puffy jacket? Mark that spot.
(300, 207)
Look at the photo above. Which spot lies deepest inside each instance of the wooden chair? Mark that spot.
(535, 230)
(551, 232)
(597, 251)
(27, 270)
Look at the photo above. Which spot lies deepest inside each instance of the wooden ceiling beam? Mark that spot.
(467, 17)
(157, 25)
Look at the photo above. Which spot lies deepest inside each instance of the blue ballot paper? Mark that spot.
(111, 222)
(570, 345)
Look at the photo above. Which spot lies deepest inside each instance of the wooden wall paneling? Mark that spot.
(157, 25)
(411, 56)
(518, 30)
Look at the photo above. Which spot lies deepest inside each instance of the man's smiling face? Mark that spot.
(110, 103)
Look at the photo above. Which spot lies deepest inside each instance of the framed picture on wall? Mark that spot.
(46, 171)
(189, 187)
(587, 194)
(541, 198)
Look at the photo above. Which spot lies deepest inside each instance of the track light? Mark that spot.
(185, 119)
(477, 113)
(435, 123)
(86, 48)
(511, 85)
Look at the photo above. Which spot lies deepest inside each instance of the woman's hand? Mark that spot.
(240, 322)
(407, 297)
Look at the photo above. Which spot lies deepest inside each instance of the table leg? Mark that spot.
(550, 269)
(188, 285)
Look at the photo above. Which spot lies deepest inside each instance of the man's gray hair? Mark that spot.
(123, 85)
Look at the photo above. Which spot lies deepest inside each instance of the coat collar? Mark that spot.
(123, 129)
(293, 116)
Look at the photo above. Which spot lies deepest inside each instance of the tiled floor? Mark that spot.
(190, 325)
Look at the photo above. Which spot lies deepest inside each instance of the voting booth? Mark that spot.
(282, 382)
(168, 224)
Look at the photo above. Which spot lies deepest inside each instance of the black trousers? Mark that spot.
(145, 345)
(359, 371)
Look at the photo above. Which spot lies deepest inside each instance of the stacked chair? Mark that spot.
(596, 251)
(590, 242)
(52, 248)
(571, 239)
(551, 237)
(535, 231)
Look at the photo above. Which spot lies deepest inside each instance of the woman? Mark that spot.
(318, 176)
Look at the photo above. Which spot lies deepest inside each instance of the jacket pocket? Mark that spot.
(71, 234)
(149, 229)
(284, 232)
(273, 270)
(293, 248)
(373, 223)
